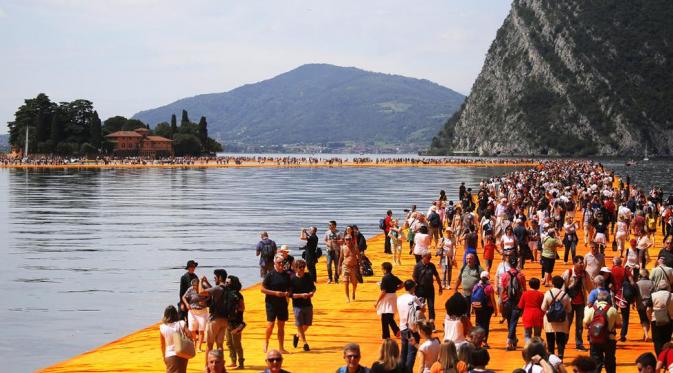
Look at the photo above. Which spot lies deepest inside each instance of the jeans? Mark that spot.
(333, 258)
(511, 324)
(388, 323)
(625, 317)
(310, 265)
(429, 295)
(570, 247)
(578, 312)
(234, 346)
(604, 355)
(483, 319)
(559, 340)
(408, 350)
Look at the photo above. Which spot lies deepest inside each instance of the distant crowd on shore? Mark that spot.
(539, 215)
(56, 160)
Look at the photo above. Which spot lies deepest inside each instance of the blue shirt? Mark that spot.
(593, 295)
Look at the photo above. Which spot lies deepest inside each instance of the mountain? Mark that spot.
(320, 103)
(4, 142)
(572, 77)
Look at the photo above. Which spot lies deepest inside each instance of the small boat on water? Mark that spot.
(646, 158)
(630, 163)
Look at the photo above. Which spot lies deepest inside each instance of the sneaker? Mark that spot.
(306, 348)
(622, 339)
(295, 341)
(580, 348)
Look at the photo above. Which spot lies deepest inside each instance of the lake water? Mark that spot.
(90, 256)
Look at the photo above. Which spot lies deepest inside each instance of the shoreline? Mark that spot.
(266, 165)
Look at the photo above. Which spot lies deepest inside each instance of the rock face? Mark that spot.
(572, 77)
(320, 103)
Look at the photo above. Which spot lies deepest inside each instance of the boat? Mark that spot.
(646, 158)
(630, 163)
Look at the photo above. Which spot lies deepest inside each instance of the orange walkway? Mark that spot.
(336, 323)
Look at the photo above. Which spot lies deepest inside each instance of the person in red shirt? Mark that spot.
(609, 205)
(665, 358)
(620, 274)
(577, 284)
(489, 252)
(387, 224)
(531, 304)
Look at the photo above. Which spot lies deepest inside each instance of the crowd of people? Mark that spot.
(527, 216)
(280, 160)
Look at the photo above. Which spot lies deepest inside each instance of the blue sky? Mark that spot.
(131, 55)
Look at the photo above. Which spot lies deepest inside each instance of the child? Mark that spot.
(429, 349)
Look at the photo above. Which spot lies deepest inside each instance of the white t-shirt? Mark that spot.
(421, 243)
(403, 308)
(453, 330)
(430, 351)
(167, 331)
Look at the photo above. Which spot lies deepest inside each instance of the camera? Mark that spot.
(406, 210)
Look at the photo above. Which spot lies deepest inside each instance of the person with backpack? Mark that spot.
(236, 324)
(424, 273)
(624, 291)
(468, 277)
(266, 250)
(512, 285)
(530, 305)
(385, 224)
(219, 299)
(484, 304)
(602, 320)
(434, 224)
(662, 315)
(556, 308)
(408, 307)
(277, 288)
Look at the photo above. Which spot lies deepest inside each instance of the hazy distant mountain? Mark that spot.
(4, 142)
(319, 103)
(572, 77)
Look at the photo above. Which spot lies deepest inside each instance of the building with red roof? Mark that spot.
(140, 143)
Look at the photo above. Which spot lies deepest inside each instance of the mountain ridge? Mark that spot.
(321, 103)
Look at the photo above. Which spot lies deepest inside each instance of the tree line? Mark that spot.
(74, 128)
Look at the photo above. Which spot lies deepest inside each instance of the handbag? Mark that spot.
(614, 245)
(183, 345)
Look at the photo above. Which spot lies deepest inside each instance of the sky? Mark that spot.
(131, 55)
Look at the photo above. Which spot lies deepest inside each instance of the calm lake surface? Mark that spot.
(90, 256)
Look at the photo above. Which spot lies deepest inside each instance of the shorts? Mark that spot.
(303, 316)
(348, 275)
(215, 331)
(600, 238)
(197, 319)
(275, 311)
(548, 264)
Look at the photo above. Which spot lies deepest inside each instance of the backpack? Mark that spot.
(556, 312)
(478, 297)
(628, 291)
(414, 316)
(366, 267)
(382, 224)
(268, 251)
(514, 289)
(224, 307)
(598, 328)
(450, 210)
(575, 290)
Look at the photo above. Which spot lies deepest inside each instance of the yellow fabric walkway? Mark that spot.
(335, 324)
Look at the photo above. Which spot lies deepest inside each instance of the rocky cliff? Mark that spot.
(572, 77)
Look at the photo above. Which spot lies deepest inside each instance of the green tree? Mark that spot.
(114, 124)
(33, 113)
(185, 118)
(163, 129)
(214, 146)
(78, 115)
(203, 133)
(88, 149)
(96, 131)
(56, 131)
(133, 124)
(174, 126)
(186, 144)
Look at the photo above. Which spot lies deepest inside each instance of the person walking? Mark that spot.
(557, 307)
(186, 284)
(218, 313)
(170, 325)
(235, 325)
(512, 285)
(662, 315)
(448, 257)
(396, 237)
(531, 306)
(333, 240)
(265, 250)
(469, 275)
(550, 245)
(303, 289)
(484, 304)
(644, 301)
(386, 304)
(310, 250)
(406, 304)
(602, 321)
(349, 262)
(277, 289)
(424, 273)
(387, 224)
(577, 282)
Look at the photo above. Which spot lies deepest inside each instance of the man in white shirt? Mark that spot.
(404, 303)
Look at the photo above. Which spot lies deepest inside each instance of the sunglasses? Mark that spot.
(274, 359)
(355, 356)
